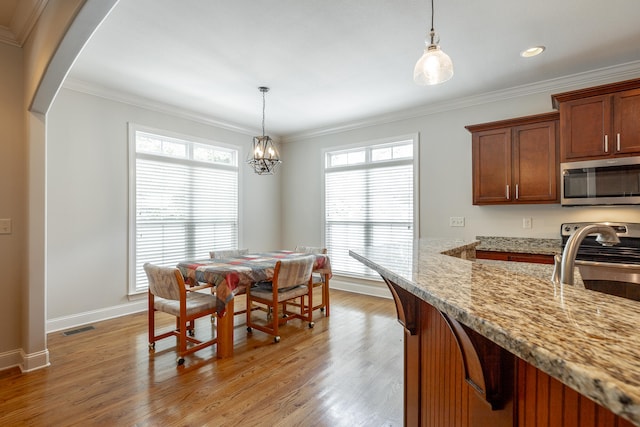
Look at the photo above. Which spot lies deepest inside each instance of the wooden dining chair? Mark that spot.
(291, 281)
(226, 253)
(318, 278)
(169, 294)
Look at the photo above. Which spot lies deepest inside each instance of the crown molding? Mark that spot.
(7, 37)
(149, 104)
(589, 78)
(576, 81)
(24, 19)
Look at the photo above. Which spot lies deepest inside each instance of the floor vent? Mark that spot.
(77, 331)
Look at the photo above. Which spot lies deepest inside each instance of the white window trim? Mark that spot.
(132, 128)
(415, 137)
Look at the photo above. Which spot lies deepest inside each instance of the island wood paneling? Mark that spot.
(447, 398)
(544, 401)
(444, 387)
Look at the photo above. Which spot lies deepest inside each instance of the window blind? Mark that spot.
(369, 202)
(183, 207)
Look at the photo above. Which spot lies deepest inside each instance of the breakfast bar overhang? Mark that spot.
(486, 345)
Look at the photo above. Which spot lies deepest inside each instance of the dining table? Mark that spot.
(232, 275)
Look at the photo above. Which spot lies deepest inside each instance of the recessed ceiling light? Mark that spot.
(532, 51)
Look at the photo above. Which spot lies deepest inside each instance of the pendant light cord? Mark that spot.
(263, 109)
(432, 13)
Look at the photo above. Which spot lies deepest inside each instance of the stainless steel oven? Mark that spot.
(610, 269)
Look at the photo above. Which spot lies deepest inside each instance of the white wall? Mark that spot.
(87, 207)
(445, 177)
(87, 191)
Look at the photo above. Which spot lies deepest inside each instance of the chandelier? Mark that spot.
(434, 66)
(264, 157)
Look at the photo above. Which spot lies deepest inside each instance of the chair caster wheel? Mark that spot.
(180, 361)
(249, 329)
(311, 325)
(276, 339)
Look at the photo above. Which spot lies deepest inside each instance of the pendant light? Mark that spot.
(435, 66)
(264, 157)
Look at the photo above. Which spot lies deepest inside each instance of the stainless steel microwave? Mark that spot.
(614, 181)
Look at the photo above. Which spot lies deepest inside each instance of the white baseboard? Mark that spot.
(34, 361)
(376, 289)
(10, 359)
(31, 362)
(87, 317)
(26, 362)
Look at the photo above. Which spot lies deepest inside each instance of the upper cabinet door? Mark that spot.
(599, 122)
(492, 166)
(584, 128)
(535, 167)
(626, 127)
(516, 160)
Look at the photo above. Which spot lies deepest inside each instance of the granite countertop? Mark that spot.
(540, 271)
(523, 245)
(586, 339)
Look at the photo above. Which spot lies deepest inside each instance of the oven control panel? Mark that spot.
(623, 229)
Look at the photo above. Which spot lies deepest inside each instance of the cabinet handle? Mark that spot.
(618, 142)
(507, 191)
(516, 191)
(606, 143)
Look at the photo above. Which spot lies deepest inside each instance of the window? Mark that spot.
(369, 201)
(184, 200)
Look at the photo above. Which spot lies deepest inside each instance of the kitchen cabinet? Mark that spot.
(515, 257)
(599, 122)
(515, 161)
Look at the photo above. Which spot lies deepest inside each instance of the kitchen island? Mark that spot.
(489, 346)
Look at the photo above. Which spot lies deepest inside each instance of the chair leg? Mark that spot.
(325, 295)
(276, 320)
(182, 339)
(151, 321)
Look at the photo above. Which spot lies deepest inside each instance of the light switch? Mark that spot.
(5, 226)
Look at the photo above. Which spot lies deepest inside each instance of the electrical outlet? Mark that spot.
(456, 221)
(526, 222)
(5, 226)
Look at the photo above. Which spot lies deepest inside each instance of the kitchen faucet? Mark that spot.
(606, 236)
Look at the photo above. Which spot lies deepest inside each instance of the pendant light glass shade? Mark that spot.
(264, 157)
(434, 66)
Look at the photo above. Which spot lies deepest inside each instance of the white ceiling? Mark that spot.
(334, 62)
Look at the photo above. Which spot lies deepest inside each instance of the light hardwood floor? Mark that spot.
(347, 371)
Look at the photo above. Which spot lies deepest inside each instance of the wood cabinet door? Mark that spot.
(626, 127)
(535, 169)
(585, 125)
(492, 166)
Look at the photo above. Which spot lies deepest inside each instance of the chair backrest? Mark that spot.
(164, 282)
(293, 272)
(311, 250)
(226, 253)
